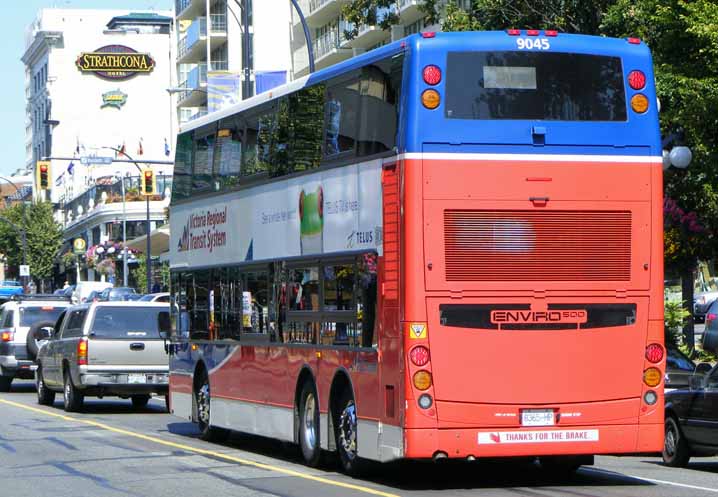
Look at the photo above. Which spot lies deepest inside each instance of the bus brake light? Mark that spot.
(654, 353)
(636, 80)
(432, 75)
(419, 355)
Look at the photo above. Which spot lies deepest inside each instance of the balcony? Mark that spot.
(189, 9)
(196, 80)
(321, 12)
(330, 48)
(192, 47)
(409, 11)
(367, 36)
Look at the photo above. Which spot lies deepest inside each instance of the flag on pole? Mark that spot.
(77, 146)
(59, 179)
(71, 168)
(167, 148)
(122, 149)
(140, 150)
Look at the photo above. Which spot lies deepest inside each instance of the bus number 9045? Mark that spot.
(532, 44)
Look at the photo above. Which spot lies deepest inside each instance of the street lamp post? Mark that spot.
(124, 232)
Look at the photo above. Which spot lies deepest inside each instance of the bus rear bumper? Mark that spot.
(576, 440)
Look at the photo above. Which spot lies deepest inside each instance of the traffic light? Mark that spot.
(42, 170)
(149, 185)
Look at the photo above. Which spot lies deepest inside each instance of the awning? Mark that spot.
(159, 242)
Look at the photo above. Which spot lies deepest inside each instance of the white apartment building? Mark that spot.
(327, 26)
(210, 41)
(96, 80)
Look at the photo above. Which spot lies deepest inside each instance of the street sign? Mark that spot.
(24, 270)
(95, 159)
(79, 245)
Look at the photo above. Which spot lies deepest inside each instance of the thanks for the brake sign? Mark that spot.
(116, 62)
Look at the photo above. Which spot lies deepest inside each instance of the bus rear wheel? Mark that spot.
(309, 425)
(203, 399)
(345, 432)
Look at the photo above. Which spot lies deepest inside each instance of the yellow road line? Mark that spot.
(203, 452)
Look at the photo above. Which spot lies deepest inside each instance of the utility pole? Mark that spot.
(246, 51)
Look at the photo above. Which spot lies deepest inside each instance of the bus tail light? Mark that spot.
(636, 80)
(6, 336)
(430, 99)
(654, 353)
(513, 32)
(422, 380)
(82, 352)
(432, 75)
(652, 377)
(419, 355)
(639, 103)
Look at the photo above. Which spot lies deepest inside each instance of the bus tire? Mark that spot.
(309, 425)
(207, 432)
(345, 434)
(675, 449)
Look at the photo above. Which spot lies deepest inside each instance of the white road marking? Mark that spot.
(651, 480)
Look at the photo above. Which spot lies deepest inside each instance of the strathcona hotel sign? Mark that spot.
(115, 62)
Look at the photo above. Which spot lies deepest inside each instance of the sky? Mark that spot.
(18, 14)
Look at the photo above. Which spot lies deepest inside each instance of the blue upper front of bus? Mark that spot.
(507, 106)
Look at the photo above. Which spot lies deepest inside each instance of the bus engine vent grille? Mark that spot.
(517, 245)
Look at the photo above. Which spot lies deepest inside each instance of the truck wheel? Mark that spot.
(309, 425)
(5, 382)
(72, 398)
(33, 337)
(45, 396)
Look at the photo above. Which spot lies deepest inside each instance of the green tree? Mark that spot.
(380, 13)
(44, 237)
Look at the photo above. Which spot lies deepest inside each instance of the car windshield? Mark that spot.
(32, 315)
(10, 283)
(130, 323)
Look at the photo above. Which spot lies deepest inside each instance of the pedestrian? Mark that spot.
(67, 284)
(156, 287)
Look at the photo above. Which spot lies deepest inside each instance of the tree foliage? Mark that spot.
(44, 237)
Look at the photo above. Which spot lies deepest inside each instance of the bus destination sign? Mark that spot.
(115, 62)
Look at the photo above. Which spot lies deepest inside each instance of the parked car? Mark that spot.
(94, 296)
(119, 293)
(104, 349)
(8, 288)
(83, 289)
(679, 369)
(691, 422)
(709, 340)
(156, 297)
(701, 302)
(18, 333)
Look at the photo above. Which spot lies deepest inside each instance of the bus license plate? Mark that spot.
(537, 417)
(136, 378)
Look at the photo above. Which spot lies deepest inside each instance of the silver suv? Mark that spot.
(104, 349)
(19, 321)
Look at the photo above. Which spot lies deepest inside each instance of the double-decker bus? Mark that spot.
(447, 247)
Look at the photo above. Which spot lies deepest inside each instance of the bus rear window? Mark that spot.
(531, 85)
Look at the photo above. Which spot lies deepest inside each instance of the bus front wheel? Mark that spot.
(309, 425)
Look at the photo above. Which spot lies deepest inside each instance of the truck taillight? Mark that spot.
(82, 352)
(6, 336)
